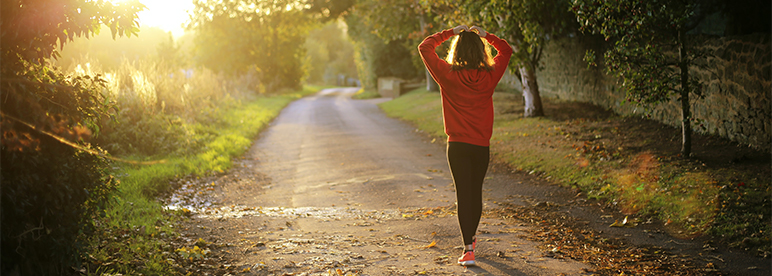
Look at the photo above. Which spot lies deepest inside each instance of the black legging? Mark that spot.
(468, 164)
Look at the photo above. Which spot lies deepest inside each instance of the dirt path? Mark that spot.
(334, 187)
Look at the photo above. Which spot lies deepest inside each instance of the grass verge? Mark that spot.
(363, 94)
(629, 163)
(135, 235)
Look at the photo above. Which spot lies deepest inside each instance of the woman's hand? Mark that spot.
(480, 31)
(460, 28)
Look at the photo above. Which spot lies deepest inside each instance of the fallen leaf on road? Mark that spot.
(433, 244)
(625, 223)
(201, 242)
(442, 260)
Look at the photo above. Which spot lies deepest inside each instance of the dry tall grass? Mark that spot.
(159, 109)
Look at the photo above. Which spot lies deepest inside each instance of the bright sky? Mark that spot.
(169, 15)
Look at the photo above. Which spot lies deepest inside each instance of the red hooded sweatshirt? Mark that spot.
(467, 95)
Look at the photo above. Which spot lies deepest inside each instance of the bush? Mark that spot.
(48, 199)
(51, 187)
(156, 107)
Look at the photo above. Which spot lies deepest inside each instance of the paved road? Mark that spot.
(335, 184)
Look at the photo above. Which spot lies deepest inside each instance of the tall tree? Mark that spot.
(397, 24)
(651, 52)
(262, 36)
(329, 9)
(400, 20)
(330, 54)
(525, 24)
(377, 57)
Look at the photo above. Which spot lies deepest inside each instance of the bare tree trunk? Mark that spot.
(686, 114)
(531, 95)
(431, 85)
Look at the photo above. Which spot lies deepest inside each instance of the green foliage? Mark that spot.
(329, 9)
(379, 54)
(48, 198)
(329, 53)
(394, 60)
(108, 54)
(152, 102)
(32, 30)
(400, 23)
(650, 53)
(252, 37)
(385, 34)
(394, 19)
(645, 36)
(51, 190)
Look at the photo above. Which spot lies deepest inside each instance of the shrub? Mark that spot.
(51, 187)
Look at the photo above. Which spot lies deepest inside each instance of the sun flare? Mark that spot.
(169, 15)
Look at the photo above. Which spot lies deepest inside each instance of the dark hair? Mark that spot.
(467, 51)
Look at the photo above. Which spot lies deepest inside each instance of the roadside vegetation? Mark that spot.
(137, 235)
(94, 133)
(165, 124)
(630, 164)
(363, 94)
(203, 121)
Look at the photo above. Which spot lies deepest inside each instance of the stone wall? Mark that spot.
(736, 84)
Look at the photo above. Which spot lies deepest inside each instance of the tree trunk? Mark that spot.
(530, 92)
(686, 114)
(431, 85)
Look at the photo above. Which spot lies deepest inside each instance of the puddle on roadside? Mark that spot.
(323, 213)
(195, 196)
(192, 195)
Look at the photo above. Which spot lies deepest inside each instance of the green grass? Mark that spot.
(420, 107)
(363, 94)
(583, 154)
(133, 237)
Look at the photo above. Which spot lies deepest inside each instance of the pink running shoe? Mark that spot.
(467, 259)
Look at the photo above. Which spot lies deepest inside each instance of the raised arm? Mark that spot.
(501, 60)
(427, 50)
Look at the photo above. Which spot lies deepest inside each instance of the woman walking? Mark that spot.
(467, 79)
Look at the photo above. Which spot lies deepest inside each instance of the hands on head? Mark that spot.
(459, 28)
(480, 31)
